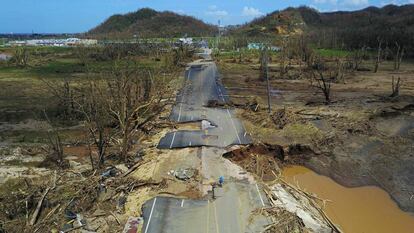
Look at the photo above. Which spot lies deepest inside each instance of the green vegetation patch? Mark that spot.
(303, 133)
(333, 52)
(59, 66)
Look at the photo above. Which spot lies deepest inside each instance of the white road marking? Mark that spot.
(189, 72)
(215, 216)
(149, 219)
(172, 140)
(234, 126)
(182, 203)
(179, 113)
(221, 94)
(208, 214)
(260, 195)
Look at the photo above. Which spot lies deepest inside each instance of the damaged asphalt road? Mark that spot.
(202, 86)
(232, 207)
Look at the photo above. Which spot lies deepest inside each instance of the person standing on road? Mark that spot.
(221, 181)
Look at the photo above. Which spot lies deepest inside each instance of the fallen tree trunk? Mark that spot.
(39, 207)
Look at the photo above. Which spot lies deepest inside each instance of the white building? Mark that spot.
(55, 42)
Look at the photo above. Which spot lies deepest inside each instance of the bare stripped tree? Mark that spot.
(264, 60)
(396, 84)
(379, 54)
(63, 91)
(322, 77)
(283, 58)
(306, 53)
(357, 57)
(398, 56)
(55, 143)
(264, 72)
(135, 97)
(92, 105)
(323, 83)
(21, 57)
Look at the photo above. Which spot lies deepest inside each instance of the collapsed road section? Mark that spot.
(201, 88)
(224, 208)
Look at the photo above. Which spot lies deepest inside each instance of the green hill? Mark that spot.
(347, 29)
(148, 23)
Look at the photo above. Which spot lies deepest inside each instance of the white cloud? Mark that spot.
(213, 10)
(219, 13)
(181, 12)
(356, 2)
(333, 2)
(395, 2)
(251, 12)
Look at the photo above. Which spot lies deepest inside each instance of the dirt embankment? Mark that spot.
(266, 161)
(362, 138)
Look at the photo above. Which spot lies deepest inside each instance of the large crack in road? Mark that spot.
(233, 208)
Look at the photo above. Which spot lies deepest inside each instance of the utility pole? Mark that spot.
(266, 73)
(218, 36)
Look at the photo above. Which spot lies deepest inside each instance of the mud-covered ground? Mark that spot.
(362, 138)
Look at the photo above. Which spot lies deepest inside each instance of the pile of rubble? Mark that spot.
(88, 201)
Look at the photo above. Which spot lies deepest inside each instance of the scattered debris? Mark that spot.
(261, 159)
(185, 174)
(206, 125)
(109, 172)
(132, 225)
(302, 206)
(283, 221)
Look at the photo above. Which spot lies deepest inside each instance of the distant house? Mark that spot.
(258, 46)
(255, 46)
(4, 57)
(186, 41)
(55, 42)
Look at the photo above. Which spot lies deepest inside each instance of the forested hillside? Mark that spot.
(148, 23)
(343, 29)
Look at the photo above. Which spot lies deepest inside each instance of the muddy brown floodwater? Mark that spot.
(356, 210)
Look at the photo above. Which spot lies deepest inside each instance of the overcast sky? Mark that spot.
(56, 16)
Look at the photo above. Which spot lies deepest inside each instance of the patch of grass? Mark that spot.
(300, 133)
(333, 52)
(21, 136)
(18, 162)
(59, 66)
